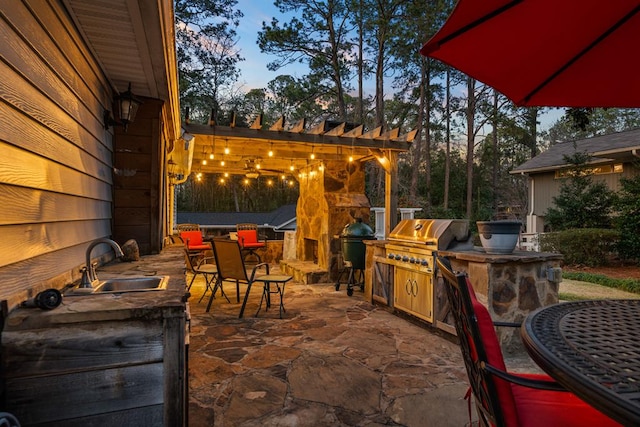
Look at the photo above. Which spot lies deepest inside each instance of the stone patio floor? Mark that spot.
(332, 360)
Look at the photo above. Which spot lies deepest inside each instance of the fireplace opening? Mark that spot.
(311, 250)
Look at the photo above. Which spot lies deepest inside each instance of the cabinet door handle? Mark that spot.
(415, 283)
(406, 286)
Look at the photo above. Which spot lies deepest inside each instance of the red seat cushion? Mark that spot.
(555, 409)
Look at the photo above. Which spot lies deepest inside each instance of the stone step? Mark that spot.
(306, 272)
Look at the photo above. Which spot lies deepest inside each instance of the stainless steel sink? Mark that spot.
(134, 284)
(125, 284)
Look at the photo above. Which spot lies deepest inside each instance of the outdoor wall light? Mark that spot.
(127, 105)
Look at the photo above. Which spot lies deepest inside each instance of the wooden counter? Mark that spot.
(107, 359)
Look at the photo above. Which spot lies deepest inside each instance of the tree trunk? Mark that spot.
(447, 159)
(494, 172)
(360, 112)
(471, 109)
(417, 151)
(427, 132)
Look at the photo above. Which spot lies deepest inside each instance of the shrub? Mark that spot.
(586, 246)
(628, 220)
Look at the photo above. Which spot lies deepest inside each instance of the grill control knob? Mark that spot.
(405, 258)
(412, 260)
(391, 256)
(398, 257)
(424, 262)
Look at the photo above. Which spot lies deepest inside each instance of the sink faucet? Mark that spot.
(89, 277)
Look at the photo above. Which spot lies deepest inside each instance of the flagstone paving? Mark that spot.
(332, 360)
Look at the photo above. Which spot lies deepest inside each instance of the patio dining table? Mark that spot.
(592, 348)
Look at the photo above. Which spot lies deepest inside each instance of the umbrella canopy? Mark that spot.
(556, 53)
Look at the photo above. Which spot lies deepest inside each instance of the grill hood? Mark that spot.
(440, 233)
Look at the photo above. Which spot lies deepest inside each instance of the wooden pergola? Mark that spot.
(279, 149)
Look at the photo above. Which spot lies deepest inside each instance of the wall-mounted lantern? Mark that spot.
(127, 105)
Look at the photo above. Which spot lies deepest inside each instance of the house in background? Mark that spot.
(611, 157)
(273, 224)
(68, 176)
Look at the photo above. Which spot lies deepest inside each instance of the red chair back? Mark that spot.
(192, 239)
(249, 239)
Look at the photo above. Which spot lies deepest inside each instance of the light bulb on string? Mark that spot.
(211, 156)
(271, 150)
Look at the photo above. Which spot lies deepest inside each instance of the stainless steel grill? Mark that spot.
(410, 253)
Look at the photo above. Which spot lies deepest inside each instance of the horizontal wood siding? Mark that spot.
(84, 394)
(84, 346)
(56, 158)
(546, 186)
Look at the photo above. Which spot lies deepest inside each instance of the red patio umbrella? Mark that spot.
(556, 53)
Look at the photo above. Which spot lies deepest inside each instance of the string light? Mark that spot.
(270, 182)
(271, 150)
(204, 161)
(312, 156)
(211, 157)
(221, 162)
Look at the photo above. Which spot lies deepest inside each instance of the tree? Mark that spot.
(319, 38)
(207, 58)
(580, 123)
(628, 219)
(581, 203)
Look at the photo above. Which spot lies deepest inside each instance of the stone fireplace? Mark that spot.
(331, 196)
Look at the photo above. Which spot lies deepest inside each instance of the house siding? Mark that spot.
(56, 158)
(546, 186)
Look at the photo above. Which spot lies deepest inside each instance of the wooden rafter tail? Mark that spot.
(257, 123)
(407, 137)
(318, 129)
(382, 158)
(336, 131)
(372, 134)
(354, 133)
(299, 127)
(389, 135)
(212, 117)
(278, 126)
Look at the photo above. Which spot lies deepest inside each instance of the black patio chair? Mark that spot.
(503, 398)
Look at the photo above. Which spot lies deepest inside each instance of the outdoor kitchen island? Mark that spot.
(403, 276)
(109, 359)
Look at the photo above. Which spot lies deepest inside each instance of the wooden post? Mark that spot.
(391, 193)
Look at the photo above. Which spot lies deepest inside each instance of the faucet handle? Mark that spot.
(85, 282)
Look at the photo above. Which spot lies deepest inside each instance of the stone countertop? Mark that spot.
(477, 254)
(114, 306)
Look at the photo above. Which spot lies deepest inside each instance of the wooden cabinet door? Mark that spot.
(423, 296)
(402, 297)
